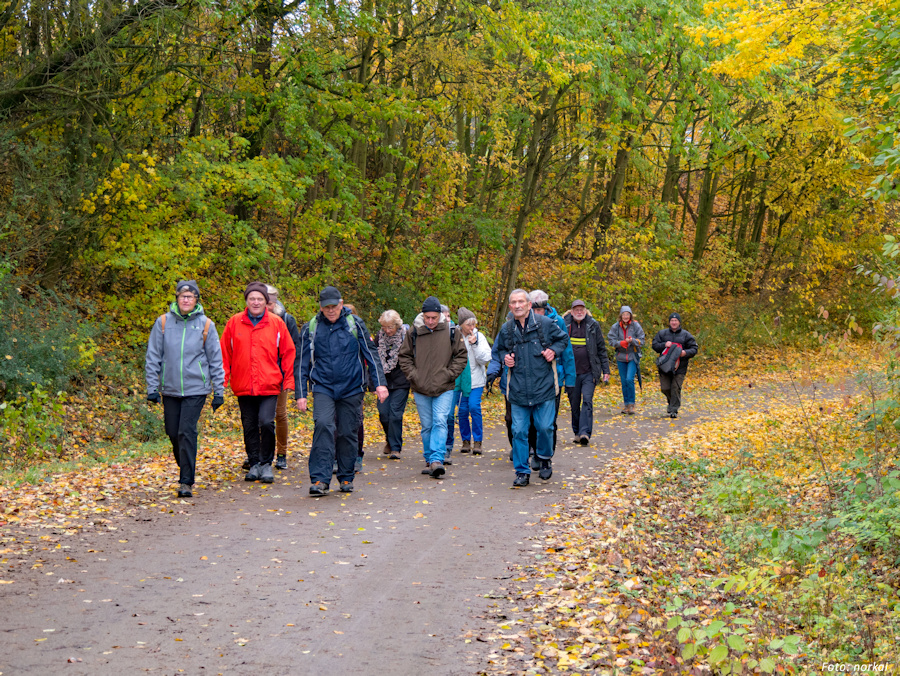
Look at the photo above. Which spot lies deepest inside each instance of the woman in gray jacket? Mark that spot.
(627, 337)
(184, 364)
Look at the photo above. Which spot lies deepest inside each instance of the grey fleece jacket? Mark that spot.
(178, 363)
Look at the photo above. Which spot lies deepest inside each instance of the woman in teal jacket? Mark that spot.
(183, 365)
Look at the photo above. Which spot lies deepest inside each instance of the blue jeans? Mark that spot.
(627, 373)
(433, 416)
(471, 406)
(336, 432)
(390, 412)
(451, 420)
(544, 416)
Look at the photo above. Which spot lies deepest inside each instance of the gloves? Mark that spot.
(490, 382)
(217, 401)
(153, 397)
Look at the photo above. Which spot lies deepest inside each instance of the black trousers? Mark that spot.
(181, 415)
(335, 435)
(670, 384)
(581, 401)
(258, 421)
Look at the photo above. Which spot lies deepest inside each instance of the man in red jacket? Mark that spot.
(258, 356)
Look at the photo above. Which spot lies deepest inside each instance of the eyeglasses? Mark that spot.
(186, 296)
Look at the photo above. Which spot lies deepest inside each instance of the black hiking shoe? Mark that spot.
(437, 469)
(584, 440)
(546, 470)
(265, 474)
(254, 473)
(318, 489)
(521, 480)
(184, 491)
(673, 415)
(535, 462)
(346, 487)
(246, 465)
(281, 462)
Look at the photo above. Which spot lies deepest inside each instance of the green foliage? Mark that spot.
(45, 341)
(32, 426)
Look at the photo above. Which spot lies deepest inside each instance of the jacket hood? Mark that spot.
(198, 310)
(419, 324)
(624, 309)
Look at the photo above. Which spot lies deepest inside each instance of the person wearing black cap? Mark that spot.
(591, 367)
(676, 347)
(432, 358)
(259, 363)
(334, 345)
(184, 365)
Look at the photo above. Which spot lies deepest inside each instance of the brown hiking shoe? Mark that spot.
(437, 469)
(387, 449)
(476, 448)
(466, 446)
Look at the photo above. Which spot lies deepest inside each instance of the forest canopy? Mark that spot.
(727, 157)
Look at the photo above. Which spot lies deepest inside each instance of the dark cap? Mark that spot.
(187, 285)
(578, 303)
(257, 286)
(675, 315)
(329, 296)
(431, 304)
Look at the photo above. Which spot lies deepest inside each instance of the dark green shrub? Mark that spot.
(44, 340)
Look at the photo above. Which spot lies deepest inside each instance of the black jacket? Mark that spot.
(596, 345)
(531, 380)
(683, 338)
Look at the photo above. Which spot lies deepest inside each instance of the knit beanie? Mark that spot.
(675, 315)
(188, 285)
(463, 315)
(431, 304)
(257, 286)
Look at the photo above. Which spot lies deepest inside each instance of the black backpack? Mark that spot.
(668, 361)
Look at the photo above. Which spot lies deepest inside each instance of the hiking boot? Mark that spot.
(466, 446)
(521, 480)
(184, 491)
(395, 455)
(437, 469)
(346, 487)
(318, 489)
(254, 473)
(576, 440)
(546, 470)
(265, 473)
(281, 462)
(535, 462)
(624, 410)
(476, 448)
(674, 414)
(584, 439)
(447, 460)
(630, 410)
(246, 465)
(386, 449)
(357, 468)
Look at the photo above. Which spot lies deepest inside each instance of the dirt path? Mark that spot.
(254, 579)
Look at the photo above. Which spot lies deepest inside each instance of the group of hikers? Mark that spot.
(264, 355)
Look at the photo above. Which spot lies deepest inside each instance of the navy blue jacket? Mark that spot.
(338, 371)
(531, 381)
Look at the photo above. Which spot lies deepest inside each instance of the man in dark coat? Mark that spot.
(529, 344)
(334, 346)
(671, 382)
(591, 367)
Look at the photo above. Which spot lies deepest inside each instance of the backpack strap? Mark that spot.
(162, 323)
(313, 323)
(205, 329)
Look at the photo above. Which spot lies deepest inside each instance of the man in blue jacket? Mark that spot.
(334, 345)
(565, 365)
(528, 344)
